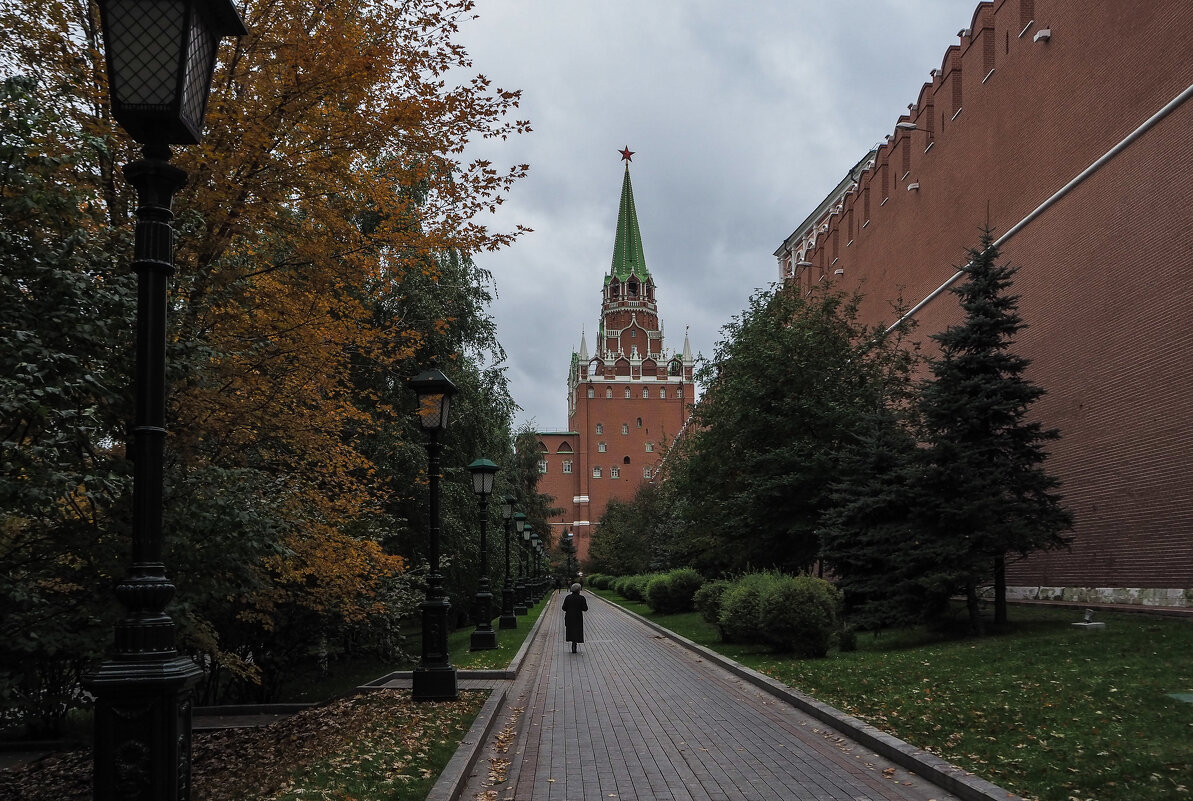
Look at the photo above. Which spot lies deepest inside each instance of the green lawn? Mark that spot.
(1044, 709)
(509, 642)
(347, 673)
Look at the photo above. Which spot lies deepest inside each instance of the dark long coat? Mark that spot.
(574, 607)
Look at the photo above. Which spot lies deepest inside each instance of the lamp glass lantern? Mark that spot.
(434, 391)
(161, 56)
(483, 472)
(507, 506)
(520, 524)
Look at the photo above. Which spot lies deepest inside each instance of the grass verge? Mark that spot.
(1042, 708)
(395, 751)
(509, 642)
(379, 746)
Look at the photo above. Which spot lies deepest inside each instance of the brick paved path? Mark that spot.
(636, 716)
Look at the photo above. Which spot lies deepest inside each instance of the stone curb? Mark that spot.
(455, 775)
(249, 709)
(931, 767)
(459, 767)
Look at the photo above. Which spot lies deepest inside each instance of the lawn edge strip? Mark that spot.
(944, 774)
(457, 770)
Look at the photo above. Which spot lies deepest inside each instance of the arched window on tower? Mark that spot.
(627, 392)
(639, 422)
(608, 392)
(591, 392)
(633, 287)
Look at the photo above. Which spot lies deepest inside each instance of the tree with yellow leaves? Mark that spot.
(330, 182)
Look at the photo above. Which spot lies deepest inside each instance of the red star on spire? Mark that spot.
(626, 153)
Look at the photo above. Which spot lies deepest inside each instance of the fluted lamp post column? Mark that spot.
(570, 560)
(484, 638)
(536, 564)
(160, 61)
(435, 678)
(520, 589)
(508, 619)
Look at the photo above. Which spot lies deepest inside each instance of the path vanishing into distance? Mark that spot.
(637, 715)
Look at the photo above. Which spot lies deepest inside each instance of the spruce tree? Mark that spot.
(867, 538)
(985, 491)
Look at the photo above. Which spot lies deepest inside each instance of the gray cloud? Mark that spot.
(743, 115)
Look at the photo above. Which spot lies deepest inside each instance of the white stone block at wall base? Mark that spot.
(1140, 596)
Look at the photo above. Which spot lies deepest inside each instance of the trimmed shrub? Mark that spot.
(798, 615)
(707, 600)
(658, 594)
(684, 583)
(740, 619)
(637, 586)
(598, 581)
(671, 593)
(633, 588)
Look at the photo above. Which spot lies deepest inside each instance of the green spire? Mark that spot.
(627, 248)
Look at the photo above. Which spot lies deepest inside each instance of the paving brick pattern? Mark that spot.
(633, 715)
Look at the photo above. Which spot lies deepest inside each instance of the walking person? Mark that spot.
(574, 607)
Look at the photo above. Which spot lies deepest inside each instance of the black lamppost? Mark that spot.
(483, 638)
(570, 551)
(536, 566)
(509, 620)
(520, 589)
(160, 58)
(435, 678)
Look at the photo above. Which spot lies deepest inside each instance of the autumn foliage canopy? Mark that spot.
(324, 247)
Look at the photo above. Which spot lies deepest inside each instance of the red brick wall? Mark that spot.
(661, 421)
(1106, 274)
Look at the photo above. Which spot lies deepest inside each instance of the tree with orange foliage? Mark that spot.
(330, 179)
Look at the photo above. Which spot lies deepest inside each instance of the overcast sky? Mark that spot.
(743, 115)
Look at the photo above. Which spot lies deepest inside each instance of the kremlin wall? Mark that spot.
(1067, 126)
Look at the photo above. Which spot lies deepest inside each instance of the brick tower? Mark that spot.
(627, 400)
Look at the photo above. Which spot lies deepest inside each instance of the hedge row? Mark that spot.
(791, 614)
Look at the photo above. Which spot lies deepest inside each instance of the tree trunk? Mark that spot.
(1000, 590)
(971, 602)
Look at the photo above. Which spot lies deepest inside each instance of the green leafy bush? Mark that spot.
(635, 586)
(798, 615)
(671, 593)
(598, 581)
(740, 619)
(707, 600)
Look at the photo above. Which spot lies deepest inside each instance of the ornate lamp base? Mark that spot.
(143, 727)
(435, 684)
